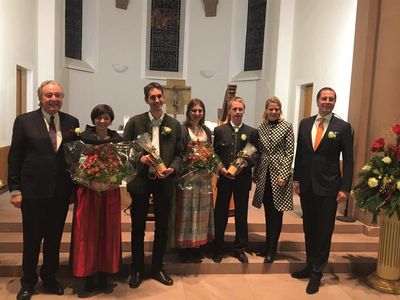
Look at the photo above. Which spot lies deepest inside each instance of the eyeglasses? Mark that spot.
(50, 95)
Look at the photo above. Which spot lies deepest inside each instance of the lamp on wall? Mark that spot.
(207, 73)
(119, 68)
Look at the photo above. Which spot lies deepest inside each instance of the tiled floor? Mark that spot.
(203, 287)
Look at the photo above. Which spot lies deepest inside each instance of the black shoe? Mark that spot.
(241, 256)
(270, 256)
(103, 284)
(313, 285)
(262, 253)
(53, 287)
(24, 293)
(197, 253)
(162, 277)
(217, 256)
(302, 274)
(89, 284)
(135, 280)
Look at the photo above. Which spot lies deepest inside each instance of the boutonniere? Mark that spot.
(73, 132)
(332, 135)
(243, 137)
(165, 130)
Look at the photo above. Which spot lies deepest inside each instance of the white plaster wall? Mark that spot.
(18, 46)
(121, 40)
(322, 50)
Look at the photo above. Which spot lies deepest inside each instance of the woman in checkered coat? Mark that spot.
(273, 176)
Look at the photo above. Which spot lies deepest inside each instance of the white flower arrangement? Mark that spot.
(165, 130)
(332, 135)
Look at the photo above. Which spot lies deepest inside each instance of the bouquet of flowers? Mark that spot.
(100, 167)
(199, 161)
(144, 141)
(247, 151)
(379, 186)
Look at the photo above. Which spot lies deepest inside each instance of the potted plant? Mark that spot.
(378, 192)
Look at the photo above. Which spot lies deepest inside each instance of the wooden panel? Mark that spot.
(4, 163)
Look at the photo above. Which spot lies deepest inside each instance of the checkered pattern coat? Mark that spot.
(276, 149)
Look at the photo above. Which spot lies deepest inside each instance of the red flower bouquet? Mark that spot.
(379, 185)
(100, 167)
(199, 161)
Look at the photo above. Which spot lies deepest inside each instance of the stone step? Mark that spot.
(12, 242)
(287, 262)
(340, 227)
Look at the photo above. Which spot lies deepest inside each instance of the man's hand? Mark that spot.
(225, 173)
(16, 200)
(147, 160)
(296, 187)
(342, 196)
(165, 173)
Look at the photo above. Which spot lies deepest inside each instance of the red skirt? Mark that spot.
(96, 232)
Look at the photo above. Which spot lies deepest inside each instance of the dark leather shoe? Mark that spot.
(135, 280)
(217, 256)
(24, 294)
(241, 256)
(53, 288)
(103, 283)
(302, 274)
(89, 284)
(162, 277)
(269, 258)
(313, 285)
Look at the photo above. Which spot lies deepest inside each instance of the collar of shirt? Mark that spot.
(326, 121)
(46, 116)
(236, 128)
(152, 118)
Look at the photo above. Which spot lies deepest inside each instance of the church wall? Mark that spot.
(17, 47)
(322, 51)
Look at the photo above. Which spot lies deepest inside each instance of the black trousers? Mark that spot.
(139, 209)
(273, 218)
(319, 215)
(227, 187)
(42, 220)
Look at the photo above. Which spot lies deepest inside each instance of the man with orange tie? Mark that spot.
(319, 181)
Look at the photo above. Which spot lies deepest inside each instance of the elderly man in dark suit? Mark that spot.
(320, 182)
(229, 140)
(166, 136)
(40, 185)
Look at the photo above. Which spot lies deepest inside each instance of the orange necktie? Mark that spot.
(320, 131)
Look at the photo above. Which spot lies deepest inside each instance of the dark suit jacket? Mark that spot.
(34, 167)
(321, 168)
(224, 148)
(170, 150)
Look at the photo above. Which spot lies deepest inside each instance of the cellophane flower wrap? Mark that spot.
(379, 180)
(199, 161)
(101, 167)
(248, 150)
(144, 141)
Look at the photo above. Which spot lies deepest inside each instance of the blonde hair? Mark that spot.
(274, 100)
